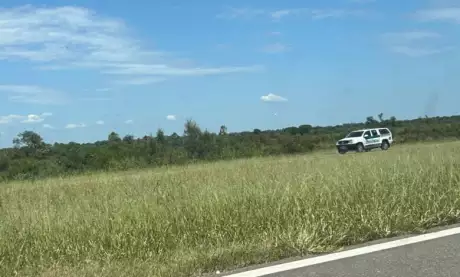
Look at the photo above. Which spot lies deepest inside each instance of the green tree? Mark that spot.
(31, 143)
(393, 121)
(305, 129)
(160, 137)
(223, 130)
(193, 140)
(28, 139)
(370, 120)
(128, 139)
(114, 137)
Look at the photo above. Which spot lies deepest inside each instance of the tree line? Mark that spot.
(31, 157)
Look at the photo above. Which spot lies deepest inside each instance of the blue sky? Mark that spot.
(75, 72)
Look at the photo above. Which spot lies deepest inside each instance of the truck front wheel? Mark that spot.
(360, 148)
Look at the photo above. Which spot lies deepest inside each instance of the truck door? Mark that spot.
(375, 138)
(367, 139)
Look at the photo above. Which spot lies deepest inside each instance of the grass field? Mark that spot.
(203, 218)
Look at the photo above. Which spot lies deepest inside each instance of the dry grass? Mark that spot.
(185, 221)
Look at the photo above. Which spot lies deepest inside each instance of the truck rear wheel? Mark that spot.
(385, 145)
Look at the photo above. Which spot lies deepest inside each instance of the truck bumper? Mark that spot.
(346, 147)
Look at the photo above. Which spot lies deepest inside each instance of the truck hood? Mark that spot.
(346, 140)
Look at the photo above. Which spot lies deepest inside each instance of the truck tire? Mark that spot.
(385, 145)
(359, 147)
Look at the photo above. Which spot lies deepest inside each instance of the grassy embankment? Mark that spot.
(183, 221)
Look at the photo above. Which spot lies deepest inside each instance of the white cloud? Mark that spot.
(73, 37)
(5, 119)
(273, 98)
(275, 48)
(399, 37)
(443, 3)
(241, 13)
(129, 121)
(73, 125)
(48, 126)
(447, 14)
(363, 1)
(165, 70)
(418, 52)
(103, 89)
(31, 118)
(33, 94)
(171, 117)
(414, 43)
(140, 81)
(277, 15)
(282, 13)
(95, 99)
(100, 122)
(323, 14)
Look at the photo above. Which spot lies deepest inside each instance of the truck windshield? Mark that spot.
(355, 134)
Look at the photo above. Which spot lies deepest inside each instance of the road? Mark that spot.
(433, 254)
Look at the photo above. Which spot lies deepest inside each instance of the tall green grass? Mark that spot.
(185, 221)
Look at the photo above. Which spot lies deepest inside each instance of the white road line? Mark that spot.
(346, 254)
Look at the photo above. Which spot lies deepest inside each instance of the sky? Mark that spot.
(77, 70)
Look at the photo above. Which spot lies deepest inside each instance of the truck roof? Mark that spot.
(364, 130)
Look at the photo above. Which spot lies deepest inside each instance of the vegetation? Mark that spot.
(32, 158)
(183, 221)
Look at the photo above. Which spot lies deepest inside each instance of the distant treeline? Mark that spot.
(32, 158)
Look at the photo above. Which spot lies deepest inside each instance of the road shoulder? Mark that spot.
(375, 244)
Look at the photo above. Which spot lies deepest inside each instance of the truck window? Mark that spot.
(367, 134)
(384, 131)
(355, 134)
(374, 133)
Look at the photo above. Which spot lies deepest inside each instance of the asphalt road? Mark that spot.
(417, 256)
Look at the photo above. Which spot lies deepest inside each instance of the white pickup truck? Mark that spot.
(365, 140)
